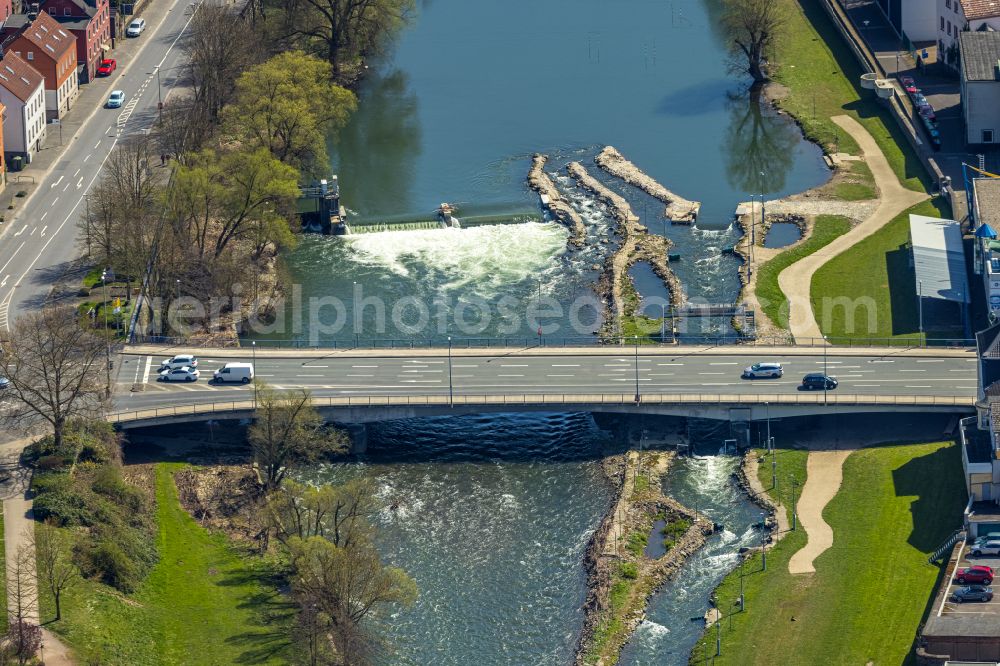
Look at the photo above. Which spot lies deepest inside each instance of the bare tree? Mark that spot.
(54, 369)
(287, 431)
(217, 54)
(22, 597)
(23, 640)
(56, 570)
(754, 28)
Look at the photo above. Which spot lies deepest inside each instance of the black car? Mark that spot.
(818, 381)
(973, 593)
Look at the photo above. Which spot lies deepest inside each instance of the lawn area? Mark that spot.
(201, 604)
(3, 579)
(870, 290)
(773, 301)
(896, 505)
(822, 78)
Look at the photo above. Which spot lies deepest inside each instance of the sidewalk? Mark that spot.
(796, 280)
(90, 101)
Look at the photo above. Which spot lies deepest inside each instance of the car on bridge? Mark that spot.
(972, 593)
(818, 381)
(763, 371)
(180, 361)
(184, 374)
(978, 575)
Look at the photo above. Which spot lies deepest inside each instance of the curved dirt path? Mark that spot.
(796, 280)
(825, 471)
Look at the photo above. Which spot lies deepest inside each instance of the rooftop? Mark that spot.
(50, 38)
(980, 53)
(939, 258)
(980, 9)
(17, 76)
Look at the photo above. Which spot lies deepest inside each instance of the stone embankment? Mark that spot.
(539, 181)
(637, 244)
(678, 209)
(617, 568)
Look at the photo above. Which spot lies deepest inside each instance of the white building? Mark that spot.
(980, 80)
(22, 92)
(985, 209)
(956, 16)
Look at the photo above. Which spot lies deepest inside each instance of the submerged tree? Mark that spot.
(759, 147)
(754, 28)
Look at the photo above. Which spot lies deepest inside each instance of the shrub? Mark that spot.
(108, 482)
(57, 498)
(49, 463)
(83, 292)
(106, 561)
(21, 194)
(629, 570)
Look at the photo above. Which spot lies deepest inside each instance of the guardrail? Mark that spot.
(576, 341)
(556, 399)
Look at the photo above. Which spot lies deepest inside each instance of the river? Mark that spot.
(454, 112)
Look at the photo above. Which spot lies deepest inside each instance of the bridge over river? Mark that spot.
(358, 386)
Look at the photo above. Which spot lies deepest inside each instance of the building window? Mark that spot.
(947, 3)
(31, 55)
(987, 136)
(948, 31)
(942, 23)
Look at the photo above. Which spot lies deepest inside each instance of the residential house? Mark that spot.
(980, 86)
(911, 20)
(22, 93)
(956, 16)
(984, 207)
(52, 51)
(980, 439)
(90, 22)
(3, 162)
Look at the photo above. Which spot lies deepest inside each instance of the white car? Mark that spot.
(180, 361)
(184, 374)
(116, 99)
(763, 370)
(989, 548)
(135, 28)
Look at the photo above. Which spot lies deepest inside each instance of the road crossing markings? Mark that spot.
(43, 230)
(21, 231)
(56, 183)
(145, 374)
(43, 216)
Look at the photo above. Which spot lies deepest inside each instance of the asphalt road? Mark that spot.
(332, 375)
(37, 247)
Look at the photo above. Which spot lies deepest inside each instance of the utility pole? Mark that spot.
(253, 344)
(763, 542)
(794, 482)
(636, 339)
(718, 633)
(767, 414)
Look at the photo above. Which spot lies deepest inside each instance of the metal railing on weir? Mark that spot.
(575, 341)
(557, 399)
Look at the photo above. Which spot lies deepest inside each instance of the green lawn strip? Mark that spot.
(872, 589)
(3, 579)
(854, 191)
(822, 78)
(773, 301)
(201, 604)
(870, 291)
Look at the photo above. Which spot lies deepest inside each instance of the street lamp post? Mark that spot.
(663, 323)
(794, 483)
(743, 599)
(451, 389)
(920, 303)
(767, 415)
(825, 371)
(107, 337)
(763, 542)
(253, 345)
(635, 339)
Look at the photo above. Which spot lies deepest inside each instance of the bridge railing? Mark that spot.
(572, 341)
(555, 400)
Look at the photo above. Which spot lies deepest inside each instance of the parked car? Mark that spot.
(979, 575)
(135, 28)
(818, 381)
(991, 547)
(184, 374)
(972, 593)
(116, 99)
(989, 536)
(180, 361)
(909, 85)
(763, 370)
(236, 373)
(4, 383)
(107, 66)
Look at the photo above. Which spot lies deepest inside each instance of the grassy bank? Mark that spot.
(773, 301)
(870, 290)
(822, 80)
(871, 589)
(200, 604)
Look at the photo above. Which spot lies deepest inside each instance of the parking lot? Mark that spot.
(950, 607)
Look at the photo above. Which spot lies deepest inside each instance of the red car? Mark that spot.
(978, 575)
(106, 67)
(908, 84)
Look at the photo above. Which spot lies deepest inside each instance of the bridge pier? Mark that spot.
(358, 433)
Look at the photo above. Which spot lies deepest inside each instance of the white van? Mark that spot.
(234, 373)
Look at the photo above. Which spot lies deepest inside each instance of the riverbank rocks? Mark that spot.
(678, 209)
(540, 182)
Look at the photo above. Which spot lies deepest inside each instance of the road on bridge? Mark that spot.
(568, 371)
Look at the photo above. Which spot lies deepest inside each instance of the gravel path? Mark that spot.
(824, 471)
(796, 280)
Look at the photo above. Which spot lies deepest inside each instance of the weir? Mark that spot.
(408, 223)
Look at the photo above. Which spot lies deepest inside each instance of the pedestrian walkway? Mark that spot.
(796, 280)
(824, 473)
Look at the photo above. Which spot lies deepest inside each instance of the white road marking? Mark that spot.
(905, 370)
(56, 183)
(353, 366)
(43, 230)
(360, 375)
(908, 386)
(145, 374)
(21, 231)
(869, 385)
(464, 366)
(711, 373)
(669, 364)
(565, 365)
(76, 173)
(43, 216)
(308, 375)
(87, 156)
(97, 145)
(513, 365)
(14, 254)
(726, 363)
(326, 366)
(510, 375)
(79, 183)
(560, 375)
(930, 360)
(54, 201)
(67, 186)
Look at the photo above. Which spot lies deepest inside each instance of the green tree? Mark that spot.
(339, 513)
(288, 106)
(287, 431)
(348, 585)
